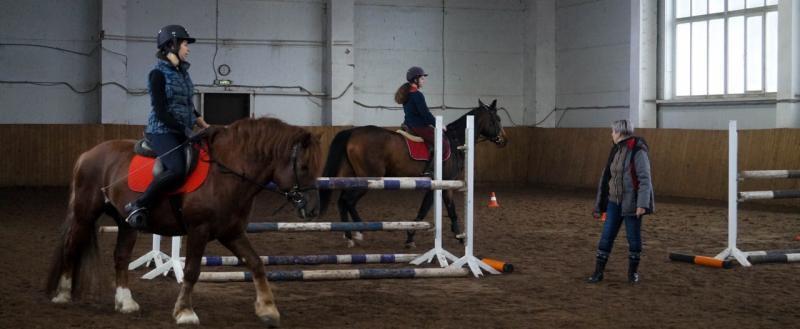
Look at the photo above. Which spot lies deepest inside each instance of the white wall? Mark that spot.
(532, 55)
(483, 55)
(70, 25)
(592, 62)
(265, 43)
(717, 117)
(268, 43)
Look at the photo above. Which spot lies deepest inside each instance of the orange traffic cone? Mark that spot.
(493, 202)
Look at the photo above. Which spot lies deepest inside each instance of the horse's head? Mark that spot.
(296, 175)
(488, 125)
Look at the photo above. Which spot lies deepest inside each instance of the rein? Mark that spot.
(293, 195)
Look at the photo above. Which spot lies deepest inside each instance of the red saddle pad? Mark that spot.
(140, 174)
(418, 151)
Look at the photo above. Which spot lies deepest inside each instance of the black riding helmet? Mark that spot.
(415, 72)
(173, 33)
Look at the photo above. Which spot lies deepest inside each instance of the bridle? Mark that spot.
(497, 139)
(295, 195)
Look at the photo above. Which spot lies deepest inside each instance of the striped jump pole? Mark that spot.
(768, 195)
(769, 174)
(327, 275)
(321, 227)
(772, 252)
(312, 259)
(701, 260)
(387, 183)
(336, 226)
(774, 258)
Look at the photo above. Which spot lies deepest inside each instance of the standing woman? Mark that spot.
(171, 120)
(625, 194)
(418, 117)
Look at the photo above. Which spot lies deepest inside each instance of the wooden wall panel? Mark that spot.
(568, 157)
(43, 155)
(686, 163)
(507, 165)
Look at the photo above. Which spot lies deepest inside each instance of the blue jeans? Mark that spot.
(614, 219)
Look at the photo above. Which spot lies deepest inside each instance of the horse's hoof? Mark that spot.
(123, 301)
(62, 298)
(411, 245)
(187, 317)
(128, 306)
(461, 236)
(358, 236)
(270, 316)
(351, 243)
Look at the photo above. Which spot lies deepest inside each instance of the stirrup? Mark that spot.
(137, 218)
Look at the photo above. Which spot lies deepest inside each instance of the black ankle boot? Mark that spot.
(137, 216)
(633, 268)
(600, 266)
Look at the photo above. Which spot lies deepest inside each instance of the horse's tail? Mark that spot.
(337, 153)
(75, 261)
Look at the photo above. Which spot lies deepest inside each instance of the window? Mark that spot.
(725, 47)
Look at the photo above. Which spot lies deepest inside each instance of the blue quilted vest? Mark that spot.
(179, 90)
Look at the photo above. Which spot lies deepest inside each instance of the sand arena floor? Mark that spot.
(547, 234)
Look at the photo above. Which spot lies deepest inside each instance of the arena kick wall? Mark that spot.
(685, 163)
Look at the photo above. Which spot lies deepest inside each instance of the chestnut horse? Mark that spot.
(372, 151)
(244, 157)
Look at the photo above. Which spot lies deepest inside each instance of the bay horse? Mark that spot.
(244, 157)
(372, 151)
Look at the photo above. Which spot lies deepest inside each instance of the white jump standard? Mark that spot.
(732, 251)
(387, 183)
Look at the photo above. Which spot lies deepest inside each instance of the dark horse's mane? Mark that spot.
(461, 123)
(455, 129)
(268, 138)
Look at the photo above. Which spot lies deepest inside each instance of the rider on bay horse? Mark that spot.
(418, 117)
(171, 120)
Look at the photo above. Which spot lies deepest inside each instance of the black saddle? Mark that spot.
(143, 148)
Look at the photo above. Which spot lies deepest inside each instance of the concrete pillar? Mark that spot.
(113, 68)
(788, 110)
(644, 65)
(539, 86)
(339, 65)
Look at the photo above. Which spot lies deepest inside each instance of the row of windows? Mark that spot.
(725, 47)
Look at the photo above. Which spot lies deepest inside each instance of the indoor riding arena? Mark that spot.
(273, 189)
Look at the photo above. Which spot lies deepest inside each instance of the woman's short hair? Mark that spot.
(622, 127)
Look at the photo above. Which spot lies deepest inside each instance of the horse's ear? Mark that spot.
(494, 103)
(480, 103)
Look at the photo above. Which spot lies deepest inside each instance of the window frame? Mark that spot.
(672, 26)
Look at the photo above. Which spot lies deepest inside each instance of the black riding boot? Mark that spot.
(633, 268)
(137, 210)
(600, 266)
(429, 164)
